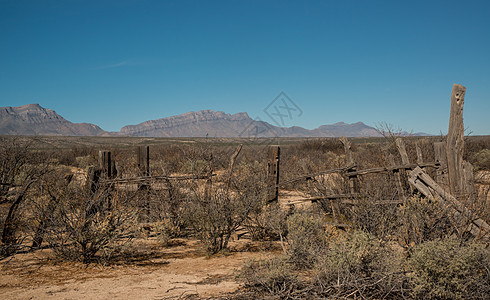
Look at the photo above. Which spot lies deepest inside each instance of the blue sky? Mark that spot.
(114, 63)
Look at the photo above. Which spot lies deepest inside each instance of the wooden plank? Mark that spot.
(390, 169)
(155, 178)
(347, 200)
(427, 186)
(308, 176)
(420, 158)
(398, 179)
(455, 142)
(403, 152)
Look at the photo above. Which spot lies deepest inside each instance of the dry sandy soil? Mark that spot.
(155, 272)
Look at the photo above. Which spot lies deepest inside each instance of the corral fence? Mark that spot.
(446, 177)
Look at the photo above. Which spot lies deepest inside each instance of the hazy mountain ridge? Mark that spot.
(32, 119)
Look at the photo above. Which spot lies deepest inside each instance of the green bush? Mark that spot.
(445, 269)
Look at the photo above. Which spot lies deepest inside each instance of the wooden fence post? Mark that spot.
(143, 153)
(107, 164)
(273, 159)
(349, 161)
(398, 179)
(403, 152)
(400, 144)
(441, 158)
(455, 143)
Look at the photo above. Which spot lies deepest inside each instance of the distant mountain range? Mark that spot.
(32, 119)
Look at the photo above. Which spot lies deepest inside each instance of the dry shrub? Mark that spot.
(217, 213)
(481, 159)
(421, 219)
(274, 276)
(90, 227)
(20, 170)
(445, 269)
(267, 222)
(359, 264)
(166, 230)
(306, 238)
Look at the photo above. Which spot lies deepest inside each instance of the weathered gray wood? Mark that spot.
(398, 180)
(143, 156)
(427, 186)
(390, 169)
(308, 176)
(441, 158)
(403, 152)
(469, 180)
(420, 158)
(455, 142)
(349, 159)
(400, 144)
(273, 159)
(155, 178)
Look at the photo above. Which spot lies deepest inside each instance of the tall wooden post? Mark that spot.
(441, 157)
(455, 142)
(349, 161)
(273, 159)
(143, 157)
(107, 163)
(144, 160)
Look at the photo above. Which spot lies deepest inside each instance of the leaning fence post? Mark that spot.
(400, 144)
(396, 173)
(273, 159)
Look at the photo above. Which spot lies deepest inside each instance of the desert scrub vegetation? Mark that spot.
(373, 245)
(449, 269)
(215, 212)
(89, 227)
(355, 263)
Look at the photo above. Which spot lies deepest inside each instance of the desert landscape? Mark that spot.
(203, 218)
(239, 150)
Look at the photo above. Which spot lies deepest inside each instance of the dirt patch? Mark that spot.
(153, 272)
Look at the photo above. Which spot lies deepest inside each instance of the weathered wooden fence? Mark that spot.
(410, 177)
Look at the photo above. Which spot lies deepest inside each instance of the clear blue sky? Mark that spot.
(114, 63)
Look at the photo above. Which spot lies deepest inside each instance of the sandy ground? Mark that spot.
(157, 272)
